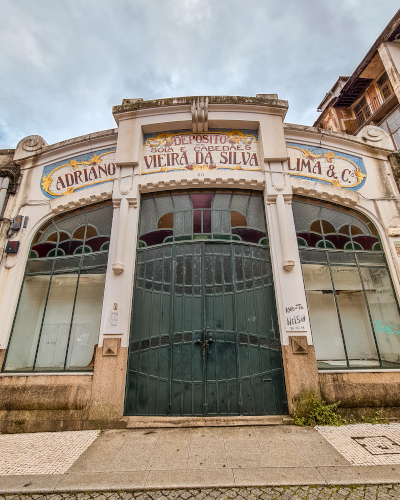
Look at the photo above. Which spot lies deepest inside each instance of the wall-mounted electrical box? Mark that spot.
(12, 246)
(17, 222)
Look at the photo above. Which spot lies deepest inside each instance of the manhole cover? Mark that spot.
(378, 445)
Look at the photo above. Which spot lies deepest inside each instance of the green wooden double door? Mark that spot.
(204, 334)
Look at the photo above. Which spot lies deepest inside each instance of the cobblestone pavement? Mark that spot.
(377, 492)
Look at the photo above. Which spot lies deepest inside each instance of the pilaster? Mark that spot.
(299, 361)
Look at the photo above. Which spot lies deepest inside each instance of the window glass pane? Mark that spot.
(75, 227)
(179, 217)
(384, 313)
(313, 256)
(39, 266)
(22, 349)
(188, 222)
(163, 205)
(203, 200)
(225, 222)
(342, 258)
(101, 220)
(86, 321)
(393, 121)
(239, 203)
(360, 225)
(384, 127)
(216, 221)
(70, 265)
(148, 217)
(396, 137)
(47, 232)
(221, 201)
(56, 324)
(95, 260)
(255, 214)
(304, 214)
(206, 221)
(182, 202)
(325, 325)
(335, 217)
(356, 325)
(371, 259)
(71, 225)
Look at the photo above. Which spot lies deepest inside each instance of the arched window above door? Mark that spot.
(70, 233)
(189, 215)
(57, 322)
(324, 226)
(353, 309)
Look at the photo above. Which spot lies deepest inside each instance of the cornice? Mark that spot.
(337, 139)
(45, 149)
(57, 206)
(131, 108)
(325, 192)
(204, 182)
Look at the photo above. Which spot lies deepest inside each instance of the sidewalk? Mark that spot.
(165, 459)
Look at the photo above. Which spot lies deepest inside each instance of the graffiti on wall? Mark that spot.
(79, 172)
(324, 165)
(213, 150)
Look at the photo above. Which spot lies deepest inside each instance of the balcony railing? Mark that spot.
(367, 111)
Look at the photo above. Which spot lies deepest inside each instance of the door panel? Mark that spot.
(204, 337)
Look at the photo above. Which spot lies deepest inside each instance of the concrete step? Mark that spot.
(159, 422)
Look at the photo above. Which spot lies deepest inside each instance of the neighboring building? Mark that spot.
(202, 259)
(371, 95)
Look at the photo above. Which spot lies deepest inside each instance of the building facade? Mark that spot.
(371, 95)
(203, 259)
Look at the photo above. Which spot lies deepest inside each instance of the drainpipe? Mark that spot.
(4, 183)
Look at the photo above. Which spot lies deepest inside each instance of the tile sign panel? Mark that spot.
(324, 165)
(79, 172)
(213, 150)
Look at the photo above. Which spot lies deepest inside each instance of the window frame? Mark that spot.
(328, 262)
(52, 273)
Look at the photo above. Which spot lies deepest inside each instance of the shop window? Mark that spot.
(353, 309)
(219, 215)
(57, 322)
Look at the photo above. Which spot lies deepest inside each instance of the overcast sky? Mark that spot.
(65, 63)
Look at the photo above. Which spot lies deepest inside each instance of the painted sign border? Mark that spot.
(84, 159)
(314, 152)
(156, 137)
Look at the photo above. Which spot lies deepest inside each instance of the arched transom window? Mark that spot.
(353, 309)
(57, 321)
(219, 215)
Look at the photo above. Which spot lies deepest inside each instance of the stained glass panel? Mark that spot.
(177, 216)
